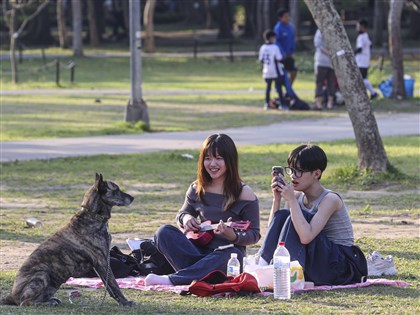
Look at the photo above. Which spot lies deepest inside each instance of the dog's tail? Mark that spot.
(7, 300)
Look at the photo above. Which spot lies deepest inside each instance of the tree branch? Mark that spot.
(26, 21)
(413, 4)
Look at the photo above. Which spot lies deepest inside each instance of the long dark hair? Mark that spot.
(224, 146)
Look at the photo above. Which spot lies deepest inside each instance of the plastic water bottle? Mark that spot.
(233, 266)
(281, 281)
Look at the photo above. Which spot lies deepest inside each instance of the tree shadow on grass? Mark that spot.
(21, 237)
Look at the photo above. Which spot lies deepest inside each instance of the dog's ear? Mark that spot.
(98, 181)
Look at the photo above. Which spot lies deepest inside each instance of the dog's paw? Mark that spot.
(53, 302)
(129, 303)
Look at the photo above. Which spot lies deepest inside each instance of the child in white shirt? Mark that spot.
(362, 53)
(270, 57)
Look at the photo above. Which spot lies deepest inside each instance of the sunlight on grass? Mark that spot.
(158, 182)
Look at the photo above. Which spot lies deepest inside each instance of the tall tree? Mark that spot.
(294, 15)
(250, 18)
(61, 24)
(94, 35)
(378, 22)
(395, 48)
(207, 10)
(263, 17)
(10, 13)
(149, 12)
(225, 20)
(76, 6)
(371, 152)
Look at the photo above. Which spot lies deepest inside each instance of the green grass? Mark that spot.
(52, 116)
(46, 116)
(173, 73)
(52, 191)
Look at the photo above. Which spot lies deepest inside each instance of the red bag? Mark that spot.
(217, 282)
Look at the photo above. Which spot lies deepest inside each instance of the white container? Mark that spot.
(264, 276)
(281, 281)
(233, 266)
(33, 223)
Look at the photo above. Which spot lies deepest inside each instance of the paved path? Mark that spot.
(325, 129)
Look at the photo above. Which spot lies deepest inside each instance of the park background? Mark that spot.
(201, 75)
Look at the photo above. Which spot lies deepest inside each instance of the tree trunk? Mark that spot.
(266, 15)
(207, 10)
(395, 48)
(12, 30)
(371, 152)
(93, 25)
(61, 24)
(294, 16)
(126, 14)
(225, 20)
(263, 18)
(38, 29)
(378, 23)
(149, 12)
(250, 18)
(77, 28)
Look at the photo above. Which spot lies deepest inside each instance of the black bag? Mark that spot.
(298, 104)
(151, 260)
(357, 264)
(122, 265)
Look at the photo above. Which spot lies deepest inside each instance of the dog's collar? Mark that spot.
(98, 217)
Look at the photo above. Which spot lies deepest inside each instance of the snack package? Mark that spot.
(297, 279)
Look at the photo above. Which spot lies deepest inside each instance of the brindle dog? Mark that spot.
(82, 244)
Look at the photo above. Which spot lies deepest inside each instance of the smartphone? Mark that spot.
(277, 170)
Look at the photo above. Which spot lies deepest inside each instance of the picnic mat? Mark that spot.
(137, 283)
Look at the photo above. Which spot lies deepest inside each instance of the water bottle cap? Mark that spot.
(233, 255)
(281, 243)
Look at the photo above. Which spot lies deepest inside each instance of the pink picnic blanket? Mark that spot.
(137, 283)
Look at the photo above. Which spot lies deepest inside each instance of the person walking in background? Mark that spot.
(324, 73)
(362, 53)
(285, 39)
(218, 194)
(270, 56)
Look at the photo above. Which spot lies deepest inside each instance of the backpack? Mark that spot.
(298, 104)
(150, 260)
(122, 265)
(218, 282)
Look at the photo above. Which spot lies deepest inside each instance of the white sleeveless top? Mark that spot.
(338, 228)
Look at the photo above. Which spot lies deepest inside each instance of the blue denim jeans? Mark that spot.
(190, 261)
(323, 261)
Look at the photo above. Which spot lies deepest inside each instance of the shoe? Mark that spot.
(273, 104)
(374, 96)
(266, 106)
(379, 265)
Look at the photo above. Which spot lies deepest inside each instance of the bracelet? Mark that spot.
(237, 237)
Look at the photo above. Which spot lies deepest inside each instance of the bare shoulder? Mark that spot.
(247, 193)
(332, 201)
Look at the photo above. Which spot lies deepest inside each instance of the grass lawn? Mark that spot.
(52, 190)
(46, 116)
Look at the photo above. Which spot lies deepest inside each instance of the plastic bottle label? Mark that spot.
(280, 263)
(232, 271)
